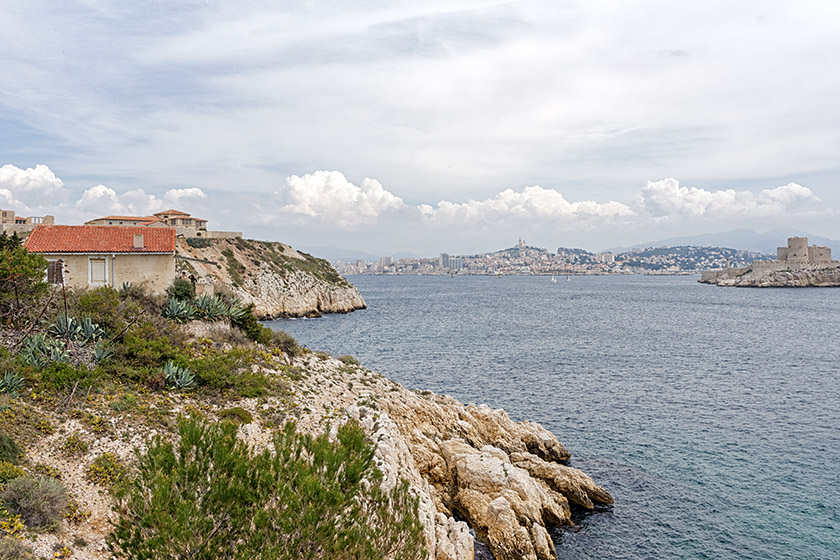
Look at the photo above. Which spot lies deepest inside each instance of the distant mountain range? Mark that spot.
(745, 239)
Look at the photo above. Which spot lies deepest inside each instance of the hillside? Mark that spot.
(278, 280)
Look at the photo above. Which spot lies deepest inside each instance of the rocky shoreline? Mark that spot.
(506, 479)
(802, 276)
(469, 466)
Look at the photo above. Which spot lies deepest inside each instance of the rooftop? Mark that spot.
(99, 239)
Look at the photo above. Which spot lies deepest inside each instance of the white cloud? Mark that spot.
(667, 199)
(531, 204)
(103, 201)
(31, 186)
(328, 197)
(177, 196)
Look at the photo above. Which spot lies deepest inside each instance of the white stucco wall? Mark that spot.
(154, 272)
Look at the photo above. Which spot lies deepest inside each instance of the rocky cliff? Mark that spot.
(506, 479)
(803, 276)
(278, 280)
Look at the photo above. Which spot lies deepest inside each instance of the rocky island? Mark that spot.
(98, 384)
(797, 266)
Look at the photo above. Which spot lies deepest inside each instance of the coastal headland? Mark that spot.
(278, 280)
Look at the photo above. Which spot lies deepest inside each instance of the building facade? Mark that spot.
(185, 225)
(95, 256)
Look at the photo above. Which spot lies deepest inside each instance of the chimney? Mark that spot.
(138, 241)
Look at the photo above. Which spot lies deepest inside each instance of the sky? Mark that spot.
(452, 126)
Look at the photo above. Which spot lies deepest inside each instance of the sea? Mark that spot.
(712, 415)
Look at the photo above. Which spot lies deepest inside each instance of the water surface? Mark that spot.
(710, 414)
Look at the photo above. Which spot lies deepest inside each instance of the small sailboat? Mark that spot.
(553, 280)
(568, 278)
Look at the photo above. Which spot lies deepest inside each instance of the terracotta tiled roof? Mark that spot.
(129, 218)
(171, 212)
(99, 239)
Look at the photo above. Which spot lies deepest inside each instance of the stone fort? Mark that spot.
(798, 251)
(796, 255)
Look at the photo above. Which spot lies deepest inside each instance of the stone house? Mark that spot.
(94, 256)
(185, 225)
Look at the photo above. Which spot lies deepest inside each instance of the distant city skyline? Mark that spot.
(453, 126)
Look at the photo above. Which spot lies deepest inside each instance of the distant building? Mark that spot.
(184, 224)
(797, 255)
(798, 251)
(10, 223)
(94, 256)
(606, 257)
(385, 262)
(444, 261)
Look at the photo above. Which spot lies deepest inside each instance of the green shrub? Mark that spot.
(75, 444)
(237, 414)
(106, 470)
(9, 449)
(285, 342)
(63, 376)
(230, 371)
(199, 242)
(348, 360)
(102, 305)
(181, 289)
(147, 345)
(13, 549)
(250, 325)
(209, 496)
(22, 279)
(9, 471)
(40, 501)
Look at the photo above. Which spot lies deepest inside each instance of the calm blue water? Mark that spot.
(711, 414)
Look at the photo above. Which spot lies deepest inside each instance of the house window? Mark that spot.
(55, 272)
(98, 271)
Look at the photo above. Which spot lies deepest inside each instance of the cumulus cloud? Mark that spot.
(532, 203)
(102, 201)
(176, 196)
(328, 197)
(667, 199)
(31, 186)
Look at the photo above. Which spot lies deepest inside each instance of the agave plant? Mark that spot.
(235, 309)
(177, 377)
(101, 352)
(65, 327)
(11, 383)
(179, 311)
(212, 307)
(89, 331)
(37, 350)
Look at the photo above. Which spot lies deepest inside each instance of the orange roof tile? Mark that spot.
(173, 212)
(129, 218)
(99, 239)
